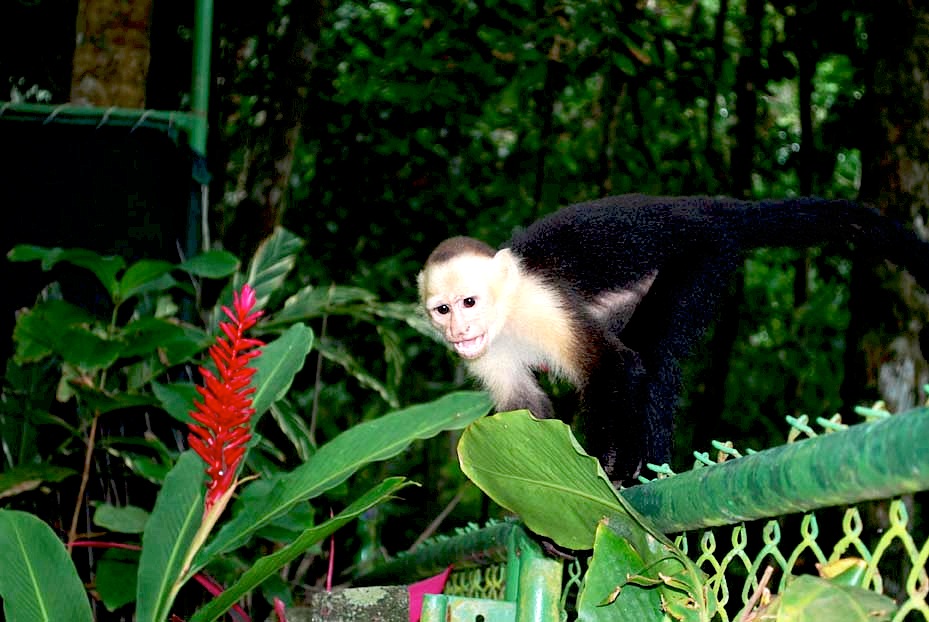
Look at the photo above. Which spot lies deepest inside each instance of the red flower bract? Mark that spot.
(224, 414)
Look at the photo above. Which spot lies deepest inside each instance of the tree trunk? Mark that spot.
(883, 356)
(807, 57)
(711, 150)
(749, 77)
(257, 181)
(112, 54)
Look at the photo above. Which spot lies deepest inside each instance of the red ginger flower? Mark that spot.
(224, 414)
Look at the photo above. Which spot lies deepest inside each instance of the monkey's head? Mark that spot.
(464, 287)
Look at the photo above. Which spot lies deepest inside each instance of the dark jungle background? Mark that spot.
(374, 130)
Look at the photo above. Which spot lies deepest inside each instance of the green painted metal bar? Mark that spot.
(469, 550)
(874, 460)
(537, 581)
(442, 608)
(200, 81)
(89, 115)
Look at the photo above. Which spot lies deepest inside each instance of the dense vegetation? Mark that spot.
(369, 131)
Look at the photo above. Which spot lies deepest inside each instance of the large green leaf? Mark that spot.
(117, 578)
(145, 275)
(58, 327)
(269, 565)
(38, 581)
(813, 599)
(215, 264)
(26, 477)
(273, 260)
(160, 348)
(279, 362)
(182, 348)
(168, 536)
(176, 398)
(121, 519)
(104, 268)
(605, 594)
(103, 402)
(551, 470)
(335, 461)
(311, 302)
(146, 335)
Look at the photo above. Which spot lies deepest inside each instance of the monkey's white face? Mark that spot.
(460, 302)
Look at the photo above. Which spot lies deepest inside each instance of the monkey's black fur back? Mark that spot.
(689, 246)
(600, 244)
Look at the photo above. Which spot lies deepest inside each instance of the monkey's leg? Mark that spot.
(613, 428)
(672, 318)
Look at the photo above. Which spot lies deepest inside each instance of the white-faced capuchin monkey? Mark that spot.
(612, 294)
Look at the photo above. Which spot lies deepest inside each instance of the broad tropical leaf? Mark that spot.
(335, 461)
(213, 264)
(269, 565)
(168, 536)
(38, 582)
(279, 362)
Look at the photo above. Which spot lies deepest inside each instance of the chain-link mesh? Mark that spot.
(485, 582)
(735, 558)
(885, 534)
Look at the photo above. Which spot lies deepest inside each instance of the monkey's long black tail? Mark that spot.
(811, 222)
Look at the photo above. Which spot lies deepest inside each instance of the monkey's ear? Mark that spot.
(421, 285)
(505, 261)
(506, 273)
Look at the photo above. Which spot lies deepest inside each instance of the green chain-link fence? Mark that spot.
(833, 492)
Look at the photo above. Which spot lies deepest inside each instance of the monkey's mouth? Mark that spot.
(470, 348)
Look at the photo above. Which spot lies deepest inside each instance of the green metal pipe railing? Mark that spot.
(480, 547)
(874, 460)
(70, 114)
(200, 82)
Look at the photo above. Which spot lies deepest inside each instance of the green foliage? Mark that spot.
(335, 461)
(603, 595)
(38, 582)
(814, 599)
(552, 470)
(430, 119)
(280, 361)
(168, 537)
(130, 360)
(634, 571)
(117, 578)
(268, 566)
(171, 529)
(30, 476)
(125, 519)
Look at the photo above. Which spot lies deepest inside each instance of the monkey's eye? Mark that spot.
(469, 302)
(442, 309)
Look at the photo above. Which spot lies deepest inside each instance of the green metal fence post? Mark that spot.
(533, 581)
